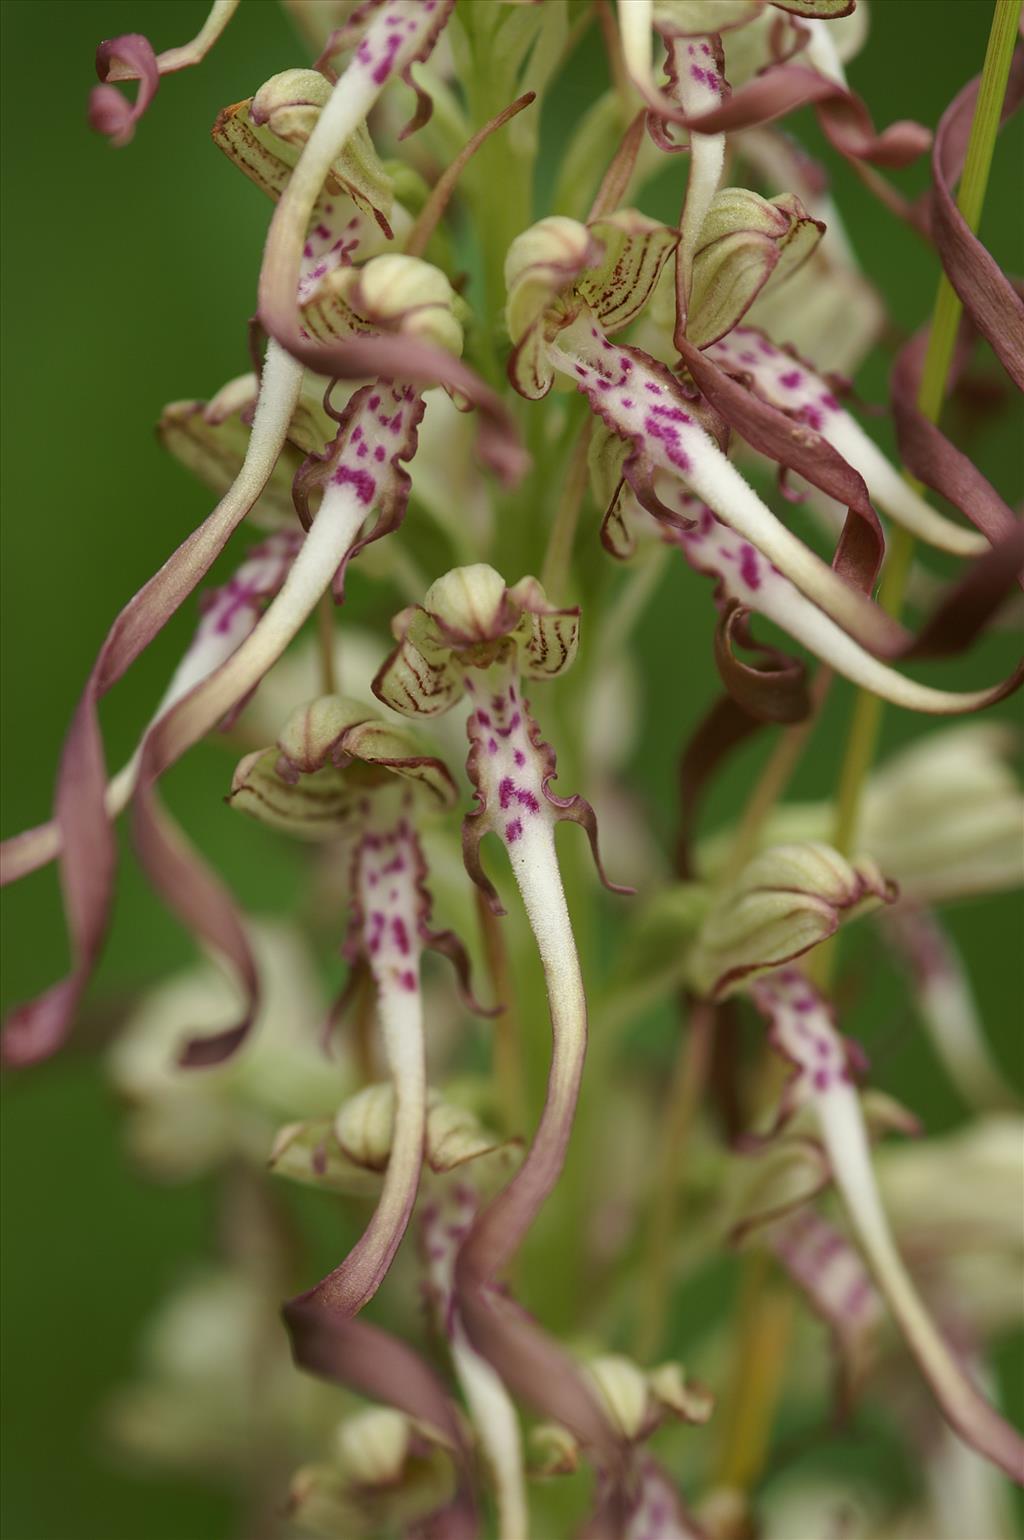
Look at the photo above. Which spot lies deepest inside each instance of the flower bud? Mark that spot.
(454, 1136)
(685, 1398)
(542, 263)
(331, 754)
(396, 293)
(947, 813)
(470, 619)
(266, 135)
(315, 734)
(622, 1387)
(372, 1446)
(745, 241)
(785, 901)
(470, 605)
(555, 1451)
(364, 1125)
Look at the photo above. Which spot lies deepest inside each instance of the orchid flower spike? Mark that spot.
(337, 769)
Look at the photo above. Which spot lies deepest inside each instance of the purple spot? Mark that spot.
(383, 69)
(506, 791)
(483, 719)
(492, 745)
(698, 74)
(520, 758)
(828, 400)
(749, 570)
(668, 436)
(357, 434)
(627, 402)
(363, 482)
(408, 980)
(378, 453)
(401, 935)
(791, 379)
(513, 830)
(373, 403)
(822, 1079)
(655, 390)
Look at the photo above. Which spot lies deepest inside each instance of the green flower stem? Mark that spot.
(558, 556)
(774, 778)
(862, 739)
(325, 643)
(684, 1096)
(500, 175)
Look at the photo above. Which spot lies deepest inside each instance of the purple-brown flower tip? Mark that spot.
(130, 57)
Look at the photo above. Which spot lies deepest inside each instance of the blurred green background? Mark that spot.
(128, 279)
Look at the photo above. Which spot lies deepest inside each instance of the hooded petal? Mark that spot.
(746, 244)
(635, 249)
(785, 901)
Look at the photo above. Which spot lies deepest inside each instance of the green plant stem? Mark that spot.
(554, 574)
(862, 738)
(687, 1086)
(325, 643)
(774, 778)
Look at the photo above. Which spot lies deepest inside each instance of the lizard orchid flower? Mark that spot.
(802, 1029)
(335, 767)
(475, 637)
(558, 292)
